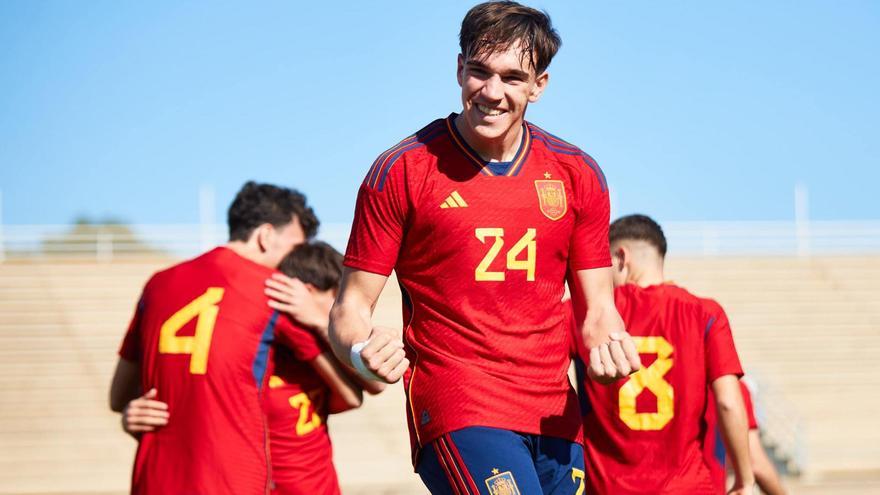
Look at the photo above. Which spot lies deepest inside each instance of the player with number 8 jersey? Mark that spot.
(500, 237)
(643, 434)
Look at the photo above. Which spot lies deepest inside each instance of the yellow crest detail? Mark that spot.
(502, 484)
(551, 198)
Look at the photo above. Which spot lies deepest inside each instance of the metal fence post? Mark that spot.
(104, 247)
(802, 219)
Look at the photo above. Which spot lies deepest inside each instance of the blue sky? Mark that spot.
(695, 110)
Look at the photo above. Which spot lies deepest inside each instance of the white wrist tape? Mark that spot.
(358, 362)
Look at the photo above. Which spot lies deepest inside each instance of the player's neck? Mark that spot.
(646, 276)
(502, 149)
(246, 251)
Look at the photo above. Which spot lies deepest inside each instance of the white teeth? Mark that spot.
(489, 111)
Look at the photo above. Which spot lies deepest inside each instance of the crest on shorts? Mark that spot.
(502, 484)
(551, 198)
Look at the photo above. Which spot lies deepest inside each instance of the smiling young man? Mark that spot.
(483, 216)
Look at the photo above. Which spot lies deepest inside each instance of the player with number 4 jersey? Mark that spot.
(203, 333)
(644, 434)
(201, 338)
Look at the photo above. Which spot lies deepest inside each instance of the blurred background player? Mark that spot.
(766, 476)
(199, 342)
(305, 389)
(478, 214)
(643, 435)
(307, 382)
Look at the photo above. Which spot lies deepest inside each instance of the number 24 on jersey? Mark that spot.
(525, 243)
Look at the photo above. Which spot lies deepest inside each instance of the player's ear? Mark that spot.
(620, 255)
(538, 88)
(263, 236)
(459, 71)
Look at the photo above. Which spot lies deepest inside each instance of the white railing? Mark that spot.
(105, 243)
(775, 238)
(782, 427)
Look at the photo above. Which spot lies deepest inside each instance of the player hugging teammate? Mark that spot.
(217, 361)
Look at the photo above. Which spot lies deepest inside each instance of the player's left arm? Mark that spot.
(613, 353)
(734, 425)
(345, 394)
(381, 352)
(765, 473)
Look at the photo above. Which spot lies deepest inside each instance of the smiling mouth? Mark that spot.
(492, 112)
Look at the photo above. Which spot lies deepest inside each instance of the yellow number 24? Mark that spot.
(526, 243)
(197, 346)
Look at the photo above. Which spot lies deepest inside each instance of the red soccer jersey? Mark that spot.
(714, 451)
(202, 334)
(302, 455)
(643, 434)
(481, 251)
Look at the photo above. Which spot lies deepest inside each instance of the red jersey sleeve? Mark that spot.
(302, 342)
(379, 218)
(750, 408)
(721, 356)
(130, 350)
(589, 243)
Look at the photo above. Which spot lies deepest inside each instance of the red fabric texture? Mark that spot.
(485, 351)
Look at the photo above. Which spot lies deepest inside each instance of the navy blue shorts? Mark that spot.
(490, 461)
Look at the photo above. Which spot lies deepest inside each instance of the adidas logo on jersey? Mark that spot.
(454, 200)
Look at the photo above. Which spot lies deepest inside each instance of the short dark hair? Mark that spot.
(493, 26)
(256, 204)
(315, 263)
(638, 228)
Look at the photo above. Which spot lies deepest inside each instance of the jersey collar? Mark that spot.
(512, 168)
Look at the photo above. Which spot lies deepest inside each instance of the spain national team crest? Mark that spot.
(502, 484)
(551, 198)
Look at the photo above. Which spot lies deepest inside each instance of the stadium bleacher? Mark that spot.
(805, 328)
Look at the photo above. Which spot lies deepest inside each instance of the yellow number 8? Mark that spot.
(652, 379)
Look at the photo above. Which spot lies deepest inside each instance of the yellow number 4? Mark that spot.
(652, 379)
(197, 346)
(526, 243)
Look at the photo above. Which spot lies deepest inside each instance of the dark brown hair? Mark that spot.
(315, 263)
(256, 204)
(638, 228)
(493, 26)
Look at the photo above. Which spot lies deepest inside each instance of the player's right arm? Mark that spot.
(612, 352)
(126, 384)
(734, 425)
(140, 413)
(382, 353)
